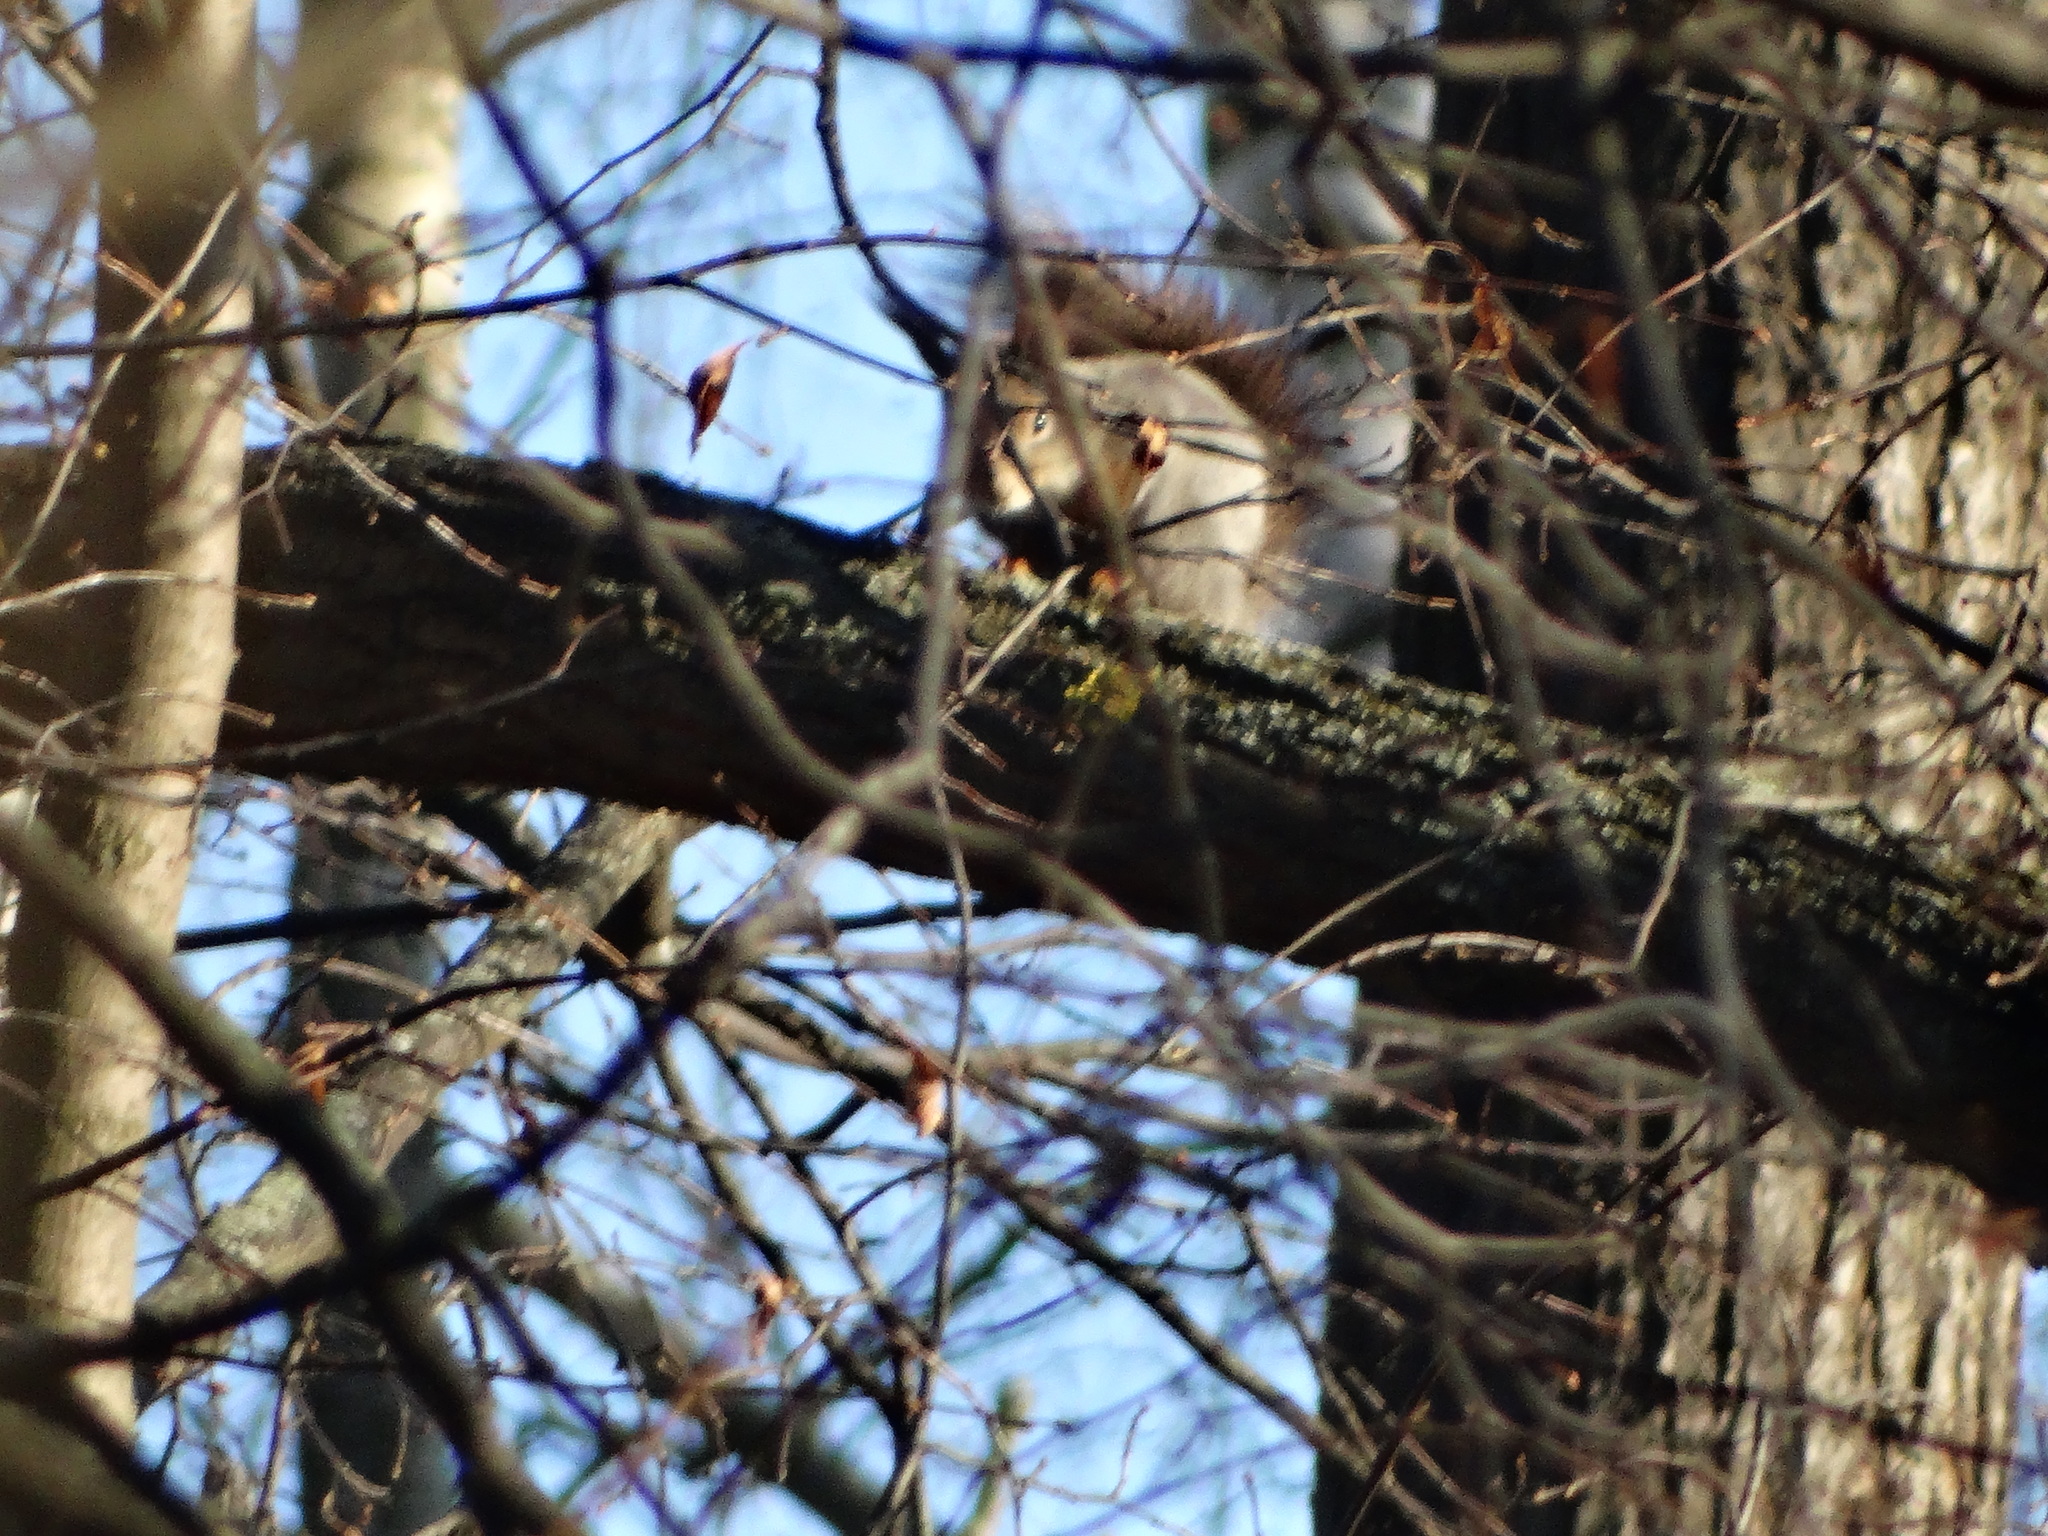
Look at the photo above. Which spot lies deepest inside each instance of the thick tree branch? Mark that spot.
(2003, 53)
(462, 632)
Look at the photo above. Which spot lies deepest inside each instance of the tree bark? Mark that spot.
(1892, 435)
(143, 660)
(1847, 1331)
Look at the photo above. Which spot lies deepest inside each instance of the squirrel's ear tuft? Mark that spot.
(1060, 279)
(1100, 311)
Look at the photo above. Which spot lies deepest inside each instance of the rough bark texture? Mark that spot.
(1846, 1340)
(1885, 431)
(149, 661)
(1882, 426)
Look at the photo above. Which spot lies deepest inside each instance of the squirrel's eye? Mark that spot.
(1040, 420)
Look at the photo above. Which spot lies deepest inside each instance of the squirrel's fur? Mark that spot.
(1194, 431)
(1101, 312)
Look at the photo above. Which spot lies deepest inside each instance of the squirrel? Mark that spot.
(1195, 431)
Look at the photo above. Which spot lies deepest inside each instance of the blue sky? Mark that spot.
(860, 443)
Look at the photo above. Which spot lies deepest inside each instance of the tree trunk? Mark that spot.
(1807, 1337)
(149, 659)
(380, 92)
(1843, 1342)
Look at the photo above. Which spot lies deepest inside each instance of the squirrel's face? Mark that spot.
(1034, 464)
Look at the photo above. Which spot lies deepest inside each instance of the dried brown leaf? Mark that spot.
(709, 381)
(770, 1292)
(924, 1095)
